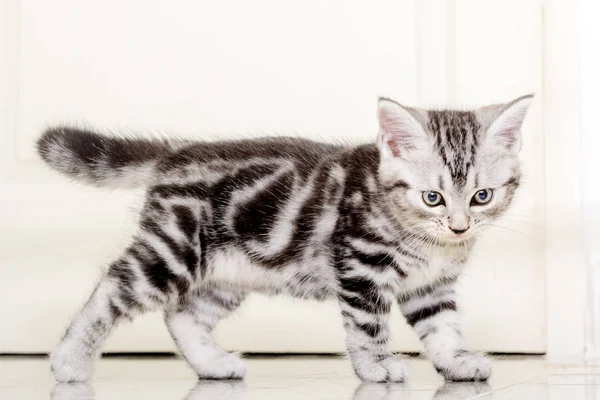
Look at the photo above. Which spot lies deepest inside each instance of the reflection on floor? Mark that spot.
(295, 378)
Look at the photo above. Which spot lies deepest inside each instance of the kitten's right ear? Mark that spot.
(399, 131)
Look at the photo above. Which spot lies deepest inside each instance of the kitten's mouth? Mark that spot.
(454, 238)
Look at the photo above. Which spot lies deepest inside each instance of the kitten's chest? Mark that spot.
(437, 264)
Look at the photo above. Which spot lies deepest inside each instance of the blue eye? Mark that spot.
(432, 198)
(482, 197)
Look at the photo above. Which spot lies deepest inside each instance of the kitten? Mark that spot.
(367, 225)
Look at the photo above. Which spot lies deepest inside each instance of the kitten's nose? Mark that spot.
(459, 223)
(459, 231)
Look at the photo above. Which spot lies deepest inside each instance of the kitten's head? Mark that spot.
(448, 173)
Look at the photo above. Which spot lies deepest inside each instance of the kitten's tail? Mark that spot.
(102, 160)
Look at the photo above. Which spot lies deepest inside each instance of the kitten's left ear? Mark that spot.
(505, 129)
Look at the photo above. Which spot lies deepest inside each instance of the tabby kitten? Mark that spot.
(368, 225)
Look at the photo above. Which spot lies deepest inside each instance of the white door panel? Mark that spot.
(215, 69)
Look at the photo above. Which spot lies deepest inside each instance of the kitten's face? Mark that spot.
(447, 174)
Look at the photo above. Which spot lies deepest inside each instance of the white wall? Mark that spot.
(571, 39)
(589, 84)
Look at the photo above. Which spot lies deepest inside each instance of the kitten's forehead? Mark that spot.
(456, 137)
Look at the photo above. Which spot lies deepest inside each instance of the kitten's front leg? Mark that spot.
(365, 315)
(433, 315)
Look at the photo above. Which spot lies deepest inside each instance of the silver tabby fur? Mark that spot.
(302, 218)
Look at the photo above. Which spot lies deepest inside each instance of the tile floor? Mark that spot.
(295, 378)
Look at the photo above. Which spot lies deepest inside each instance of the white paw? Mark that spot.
(68, 391)
(392, 369)
(228, 366)
(397, 369)
(466, 367)
(71, 365)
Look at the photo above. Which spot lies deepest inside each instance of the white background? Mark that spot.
(213, 69)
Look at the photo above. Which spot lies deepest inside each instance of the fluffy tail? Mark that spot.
(102, 160)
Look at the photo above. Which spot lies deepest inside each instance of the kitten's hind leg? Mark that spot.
(130, 287)
(159, 268)
(81, 346)
(191, 328)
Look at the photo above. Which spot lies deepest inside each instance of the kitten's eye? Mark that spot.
(482, 197)
(433, 199)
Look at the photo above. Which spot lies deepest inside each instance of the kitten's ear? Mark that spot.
(399, 130)
(505, 129)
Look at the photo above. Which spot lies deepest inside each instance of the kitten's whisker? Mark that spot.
(512, 230)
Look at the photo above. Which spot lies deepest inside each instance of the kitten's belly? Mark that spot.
(306, 280)
(315, 279)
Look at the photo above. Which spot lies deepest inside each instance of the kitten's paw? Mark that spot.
(467, 367)
(392, 369)
(229, 366)
(70, 365)
(397, 368)
(371, 372)
(68, 391)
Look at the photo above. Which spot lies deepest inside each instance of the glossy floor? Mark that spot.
(295, 378)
